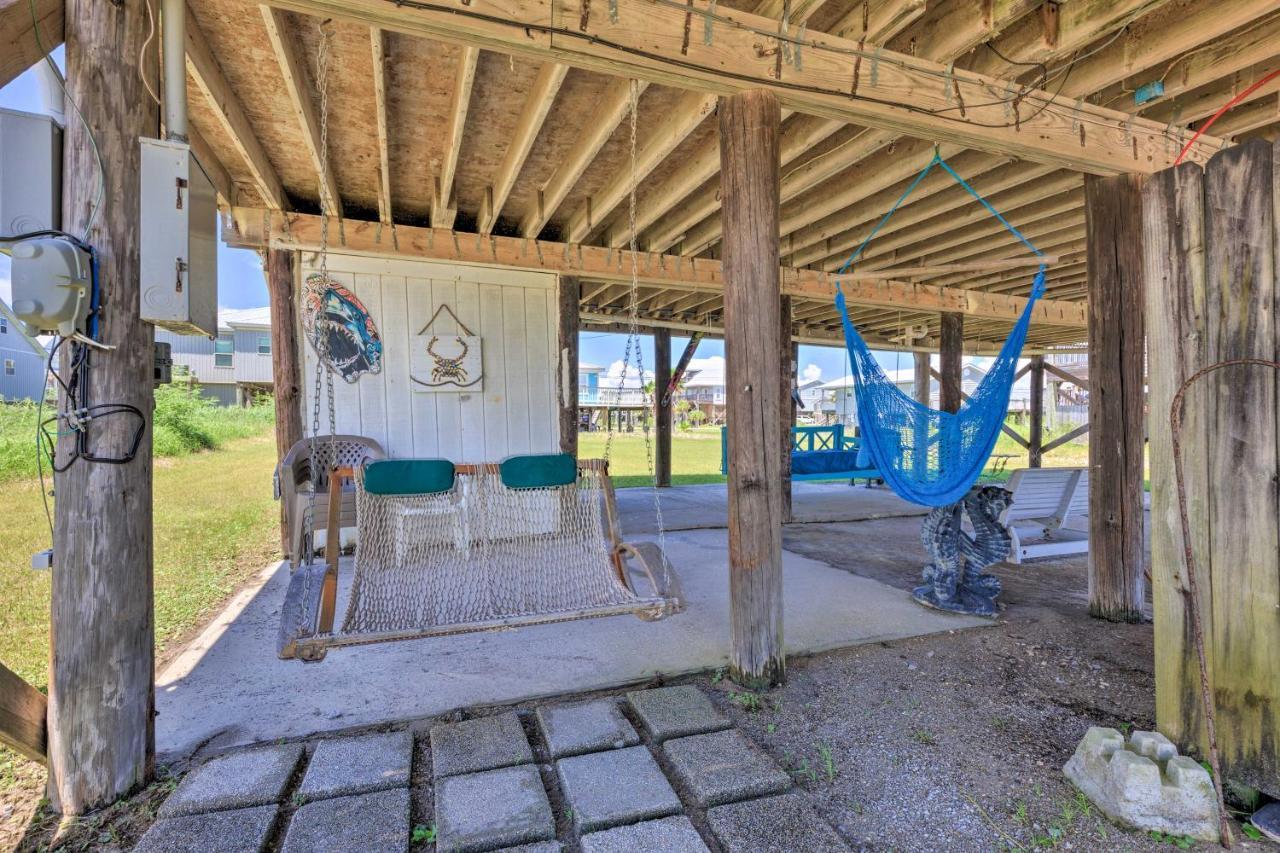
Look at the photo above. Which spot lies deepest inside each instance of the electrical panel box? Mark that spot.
(179, 245)
(30, 173)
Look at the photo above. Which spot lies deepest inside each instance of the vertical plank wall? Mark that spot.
(513, 312)
(1211, 246)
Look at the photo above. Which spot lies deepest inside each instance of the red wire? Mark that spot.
(1228, 105)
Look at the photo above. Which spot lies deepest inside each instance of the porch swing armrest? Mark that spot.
(662, 577)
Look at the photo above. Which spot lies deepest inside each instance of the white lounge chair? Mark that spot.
(1044, 500)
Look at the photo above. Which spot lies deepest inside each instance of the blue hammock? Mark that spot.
(927, 456)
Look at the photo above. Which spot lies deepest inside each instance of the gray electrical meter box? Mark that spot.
(179, 232)
(30, 173)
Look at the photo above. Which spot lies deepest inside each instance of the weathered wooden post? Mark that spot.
(567, 374)
(787, 353)
(923, 379)
(286, 368)
(1113, 223)
(749, 188)
(1212, 248)
(951, 362)
(1035, 456)
(102, 666)
(662, 405)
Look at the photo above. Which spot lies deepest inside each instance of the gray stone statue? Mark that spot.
(955, 580)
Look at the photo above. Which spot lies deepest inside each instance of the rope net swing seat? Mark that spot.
(927, 456)
(447, 549)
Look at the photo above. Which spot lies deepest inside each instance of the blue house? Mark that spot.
(22, 362)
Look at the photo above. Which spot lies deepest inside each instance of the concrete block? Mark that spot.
(781, 824)
(252, 777)
(670, 835)
(721, 767)
(236, 831)
(496, 808)
(607, 789)
(540, 847)
(585, 727)
(374, 823)
(1171, 794)
(669, 712)
(485, 743)
(357, 765)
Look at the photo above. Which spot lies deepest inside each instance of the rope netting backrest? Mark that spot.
(481, 552)
(928, 456)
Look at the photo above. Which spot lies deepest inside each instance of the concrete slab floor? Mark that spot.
(228, 688)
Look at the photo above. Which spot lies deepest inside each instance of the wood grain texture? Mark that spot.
(951, 362)
(23, 711)
(1113, 208)
(101, 693)
(568, 293)
(286, 366)
(18, 49)
(749, 185)
(662, 406)
(787, 358)
(1035, 452)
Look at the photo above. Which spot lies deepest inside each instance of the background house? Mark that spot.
(233, 367)
(22, 362)
(841, 406)
(703, 388)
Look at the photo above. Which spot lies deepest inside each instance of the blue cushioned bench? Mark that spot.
(817, 453)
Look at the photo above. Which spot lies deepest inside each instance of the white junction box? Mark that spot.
(30, 173)
(179, 241)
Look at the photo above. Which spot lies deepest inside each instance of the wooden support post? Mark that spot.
(23, 711)
(286, 362)
(749, 188)
(951, 362)
(567, 376)
(1113, 215)
(1035, 454)
(923, 379)
(662, 406)
(102, 679)
(786, 354)
(1212, 251)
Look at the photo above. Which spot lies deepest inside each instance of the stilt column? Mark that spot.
(951, 364)
(749, 190)
(662, 405)
(567, 362)
(286, 368)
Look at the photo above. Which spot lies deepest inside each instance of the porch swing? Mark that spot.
(448, 549)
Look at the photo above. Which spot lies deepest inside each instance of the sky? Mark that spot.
(241, 285)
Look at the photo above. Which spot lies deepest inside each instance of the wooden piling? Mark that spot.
(951, 362)
(749, 125)
(662, 406)
(567, 362)
(1035, 453)
(286, 361)
(787, 355)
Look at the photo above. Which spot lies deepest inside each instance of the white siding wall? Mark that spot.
(196, 352)
(513, 312)
(249, 365)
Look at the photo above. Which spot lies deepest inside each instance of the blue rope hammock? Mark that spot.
(928, 456)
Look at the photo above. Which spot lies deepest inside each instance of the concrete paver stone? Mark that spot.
(492, 809)
(357, 765)
(669, 835)
(377, 822)
(721, 767)
(585, 727)
(607, 789)
(252, 777)
(485, 743)
(235, 831)
(668, 712)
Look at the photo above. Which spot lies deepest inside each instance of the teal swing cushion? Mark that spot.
(540, 471)
(408, 476)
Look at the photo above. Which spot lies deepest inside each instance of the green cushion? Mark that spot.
(543, 471)
(408, 476)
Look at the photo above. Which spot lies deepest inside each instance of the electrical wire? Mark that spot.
(142, 52)
(1221, 110)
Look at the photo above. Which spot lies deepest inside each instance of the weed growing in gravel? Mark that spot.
(1001, 724)
(1182, 842)
(828, 762)
(1251, 831)
(423, 834)
(747, 700)
(718, 675)
(771, 728)
(925, 737)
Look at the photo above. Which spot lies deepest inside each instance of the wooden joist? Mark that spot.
(225, 105)
(877, 21)
(542, 94)
(256, 229)
(213, 167)
(22, 717)
(443, 209)
(298, 85)
(650, 40)
(18, 48)
(377, 41)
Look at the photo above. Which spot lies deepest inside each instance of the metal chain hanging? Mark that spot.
(323, 378)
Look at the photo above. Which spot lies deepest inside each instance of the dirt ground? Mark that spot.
(952, 742)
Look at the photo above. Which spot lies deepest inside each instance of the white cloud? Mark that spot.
(811, 372)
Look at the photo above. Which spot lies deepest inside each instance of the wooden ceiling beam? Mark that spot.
(600, 126)
(377, 41)
(255, 228)
(226, 107)
(218, 174)
(536, 107)
(651, 41)
(877, 21)
(1250, 115)
(444, 210)
(18, 49)
(1204, 101)
(298, 85)
(674, 128)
